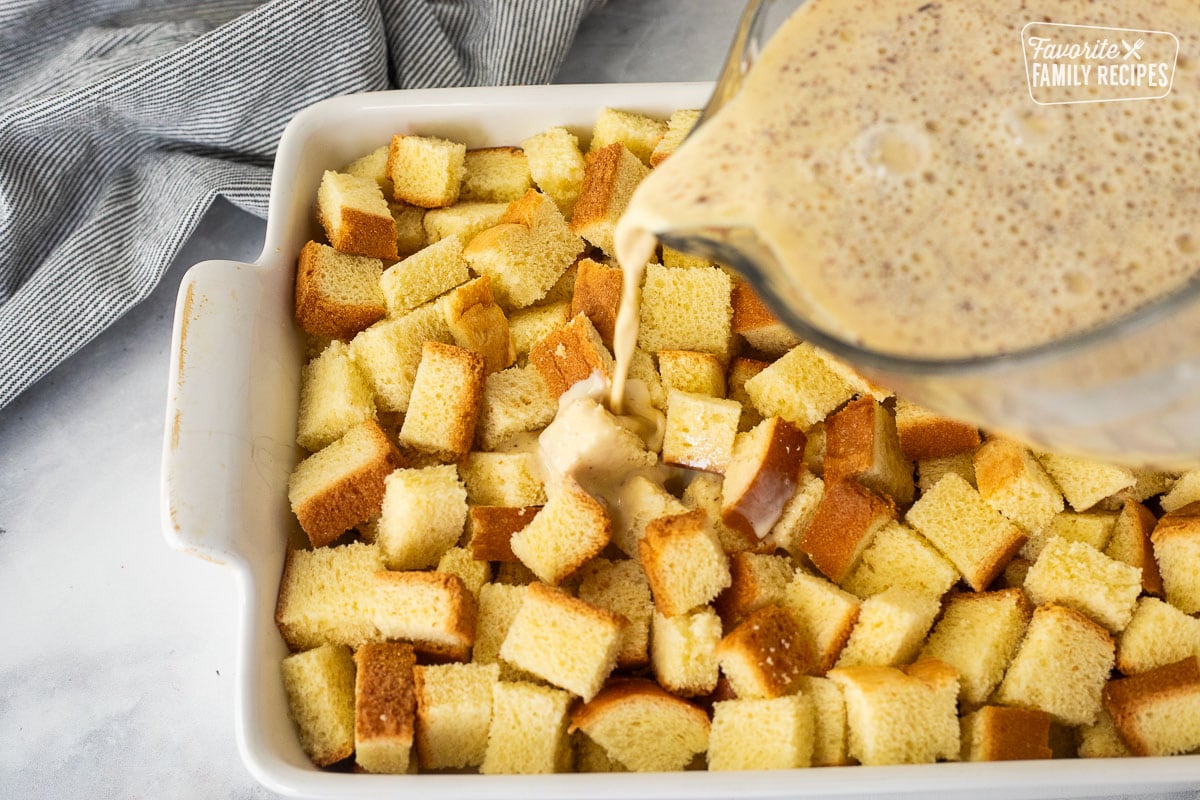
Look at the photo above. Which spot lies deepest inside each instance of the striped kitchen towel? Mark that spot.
(121, 120)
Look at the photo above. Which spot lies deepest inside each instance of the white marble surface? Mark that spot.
(116, 653)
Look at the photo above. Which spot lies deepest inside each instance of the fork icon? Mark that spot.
(1132, 49)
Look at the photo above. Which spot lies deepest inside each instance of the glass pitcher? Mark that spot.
(1128, 391)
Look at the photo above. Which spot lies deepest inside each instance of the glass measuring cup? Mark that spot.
(1128, 390)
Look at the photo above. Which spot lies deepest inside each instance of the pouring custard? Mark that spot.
(914, 197)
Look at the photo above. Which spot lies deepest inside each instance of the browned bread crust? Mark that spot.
(1011, 734)
(754, 494)
(321, 315)
(861, 442)
(361, 234)
(925, 435)
(385, 700)
(842, 527)
(492, 527)
(1127, 698)
(598, 295)
(771, 648)
(478, 324)
(570, 354)
(620, 690)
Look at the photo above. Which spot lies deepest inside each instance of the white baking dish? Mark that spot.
(229, 447)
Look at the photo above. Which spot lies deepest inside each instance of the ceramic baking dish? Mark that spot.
(229, 447)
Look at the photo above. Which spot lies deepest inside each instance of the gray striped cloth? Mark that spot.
(121, 120)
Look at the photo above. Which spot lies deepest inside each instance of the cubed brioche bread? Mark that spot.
(998, 733)
(755, 323)
(897, 718)
(527, 252)
(890, 629)
(621, 587)
(1060, 666)
(355, 216)
(1012, 481)
(490, 530)
(557, 166)
(502, 479)
(1158, 634)
(683, 651)
(1093, 528)
(643, 727)
(757, 580)
(1078, 576)
(464, 220)
(797, 514)
(528, 732)
(1185, 490)
(433, 610)
(426, 171)
(639, 133)
(899, 556)
(976, 538)
(454, 713)
(444, 405)
(474, 573)
(1100, 739)
(829, 729)
(689, 371)
(925, 435)
(423, 514)
(495, 174)
(684, 562)
(597, 295)
(385, 707)
(342, 485)
(326, 596)
(569, 354)
(844, 525)
(762, 734)
(319, 684)
(932, 470)
(571, 529)
(861, 443)
(1084, 482)
(824, 613)
(478, 324)
(410, 225)
(1130, 544)
(563, 640)
(1157, 713)
(374, 166)
(761, 477)
(587, 444)
(337, 295)
(498, 607)
(802, 387)
(705, 491)
(679, 126)
(389, 352)
(640, 500)
(515, 401)
(700, 431)
(978, 633)
(1176, 540)
(687, 309)
(334, 397)
(610, 178)
(423, 276)
(766, 655)
(528, 326)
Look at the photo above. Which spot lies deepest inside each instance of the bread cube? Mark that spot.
(844, 525)
(684, 562)
(585, 443)
(337, 295)
(459, 562)
(825, 614)
(683, 651)
(433, 610)
(342, 485)
(978, 634)
(385, 707)
(527, 252)
(1060, 666)
(1084, 482)
(1093, 528)
(705, 491)
(692, 372)
(996, 733)
(444, 405)
(621, 587)
(757, 580)
(641, 500)
(897, 718)
(571, 529)
(899, 556)
(423, 276)
(797, 514)
(454, 713)
(932, 470)
(515, 401)
(1176, 540)
(591, 757)
(326, 596)
(890, 629)
(1101, 740)
(334, 397)
(861, 443)
(1157, 635)
(374, 166)
(557, 166)
(802, 387)
(389, 352)
(1130, 544)
(319, 684)
(528, 326)
(643, 727)
(925, 435)
(762, 734)
(528, 734)
(355, 216)
(1184, 491)
(563, 640)
(1012, 481)
(502, 479)
(1078, 576)
(969, 532)
(426, 171)
(570, 354)
(639, 133)
(491, 529)
(423, 514)
(498, 607)
(761, 477)
(1157, 713)
(755, 323)
(410, 224)
(700, 431)
(478, 324)
(495, 174)
(687, 309)
(679, 126)
(766, 655)
(829, 729)
(463, 221)
(597, 295)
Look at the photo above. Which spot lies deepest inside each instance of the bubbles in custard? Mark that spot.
(895, 150)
